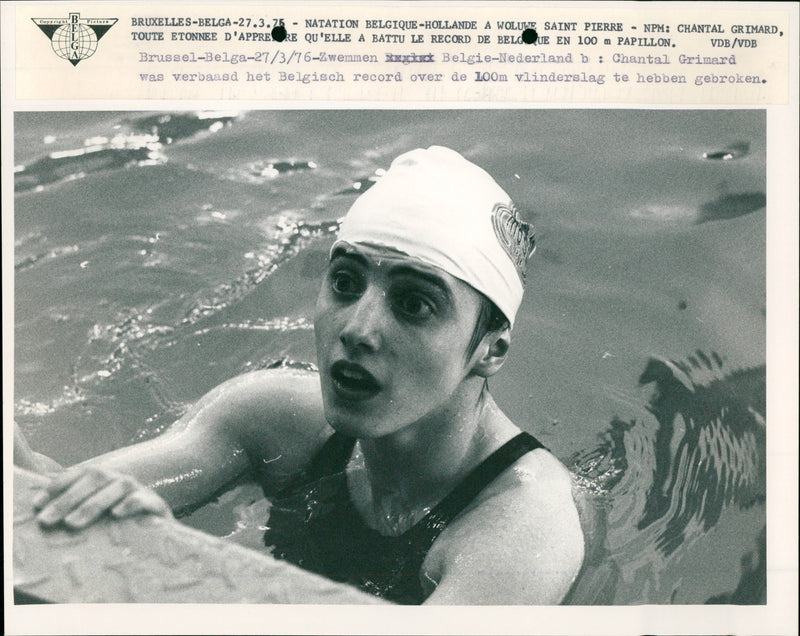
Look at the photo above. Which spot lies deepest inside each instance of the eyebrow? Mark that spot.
(396, 270)
(341, 252)
(433, 279)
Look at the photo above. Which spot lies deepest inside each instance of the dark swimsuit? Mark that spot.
(314, 524)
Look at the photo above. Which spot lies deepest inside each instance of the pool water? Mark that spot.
(158, 254)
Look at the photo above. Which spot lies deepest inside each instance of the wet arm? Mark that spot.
(523, 546)
(223, 438)
(265, 422)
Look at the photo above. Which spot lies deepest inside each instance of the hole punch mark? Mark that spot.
(279, 33)
(529, 36)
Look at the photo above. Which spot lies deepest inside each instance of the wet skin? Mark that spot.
(391, 337)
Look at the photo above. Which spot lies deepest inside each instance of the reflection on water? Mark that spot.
(752, 587)
(736, 150)
(707, 454)
(709, 445)
(96, 158)
(158, 254)
(139, 145)
(728, 206)
(171, 127)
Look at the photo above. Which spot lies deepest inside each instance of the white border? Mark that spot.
(779, 616)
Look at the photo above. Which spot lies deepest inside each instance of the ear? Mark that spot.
(491, 353)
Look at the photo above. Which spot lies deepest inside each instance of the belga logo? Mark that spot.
(74, 38)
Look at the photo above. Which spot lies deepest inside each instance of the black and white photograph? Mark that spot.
(475, 356)
(400, 317)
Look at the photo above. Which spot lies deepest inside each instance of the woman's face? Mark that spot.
(392, 337)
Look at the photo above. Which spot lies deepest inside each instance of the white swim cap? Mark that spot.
(436, 206)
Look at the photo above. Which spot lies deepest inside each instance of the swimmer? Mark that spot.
(393, 468)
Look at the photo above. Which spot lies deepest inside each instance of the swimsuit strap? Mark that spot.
(332, 458)
(480, 477)
(335, 453)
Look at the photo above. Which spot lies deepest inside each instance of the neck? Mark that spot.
(398, 478)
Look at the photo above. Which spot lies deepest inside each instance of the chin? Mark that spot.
(354, 424)
(348, 423)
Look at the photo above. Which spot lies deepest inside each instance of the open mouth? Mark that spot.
(353, 381)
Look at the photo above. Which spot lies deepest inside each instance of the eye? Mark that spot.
(413, 305)
(345, 283)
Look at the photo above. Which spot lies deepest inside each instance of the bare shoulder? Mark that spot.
(272, 393)
(275, 414)
(520, 542)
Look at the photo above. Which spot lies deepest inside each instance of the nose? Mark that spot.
(363, 328)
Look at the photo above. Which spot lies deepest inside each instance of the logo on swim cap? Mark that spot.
(517, 237)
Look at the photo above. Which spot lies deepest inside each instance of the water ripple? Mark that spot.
(290, 238)
(697, 450)
(141, 145)
(282, 325)
(709, 446)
